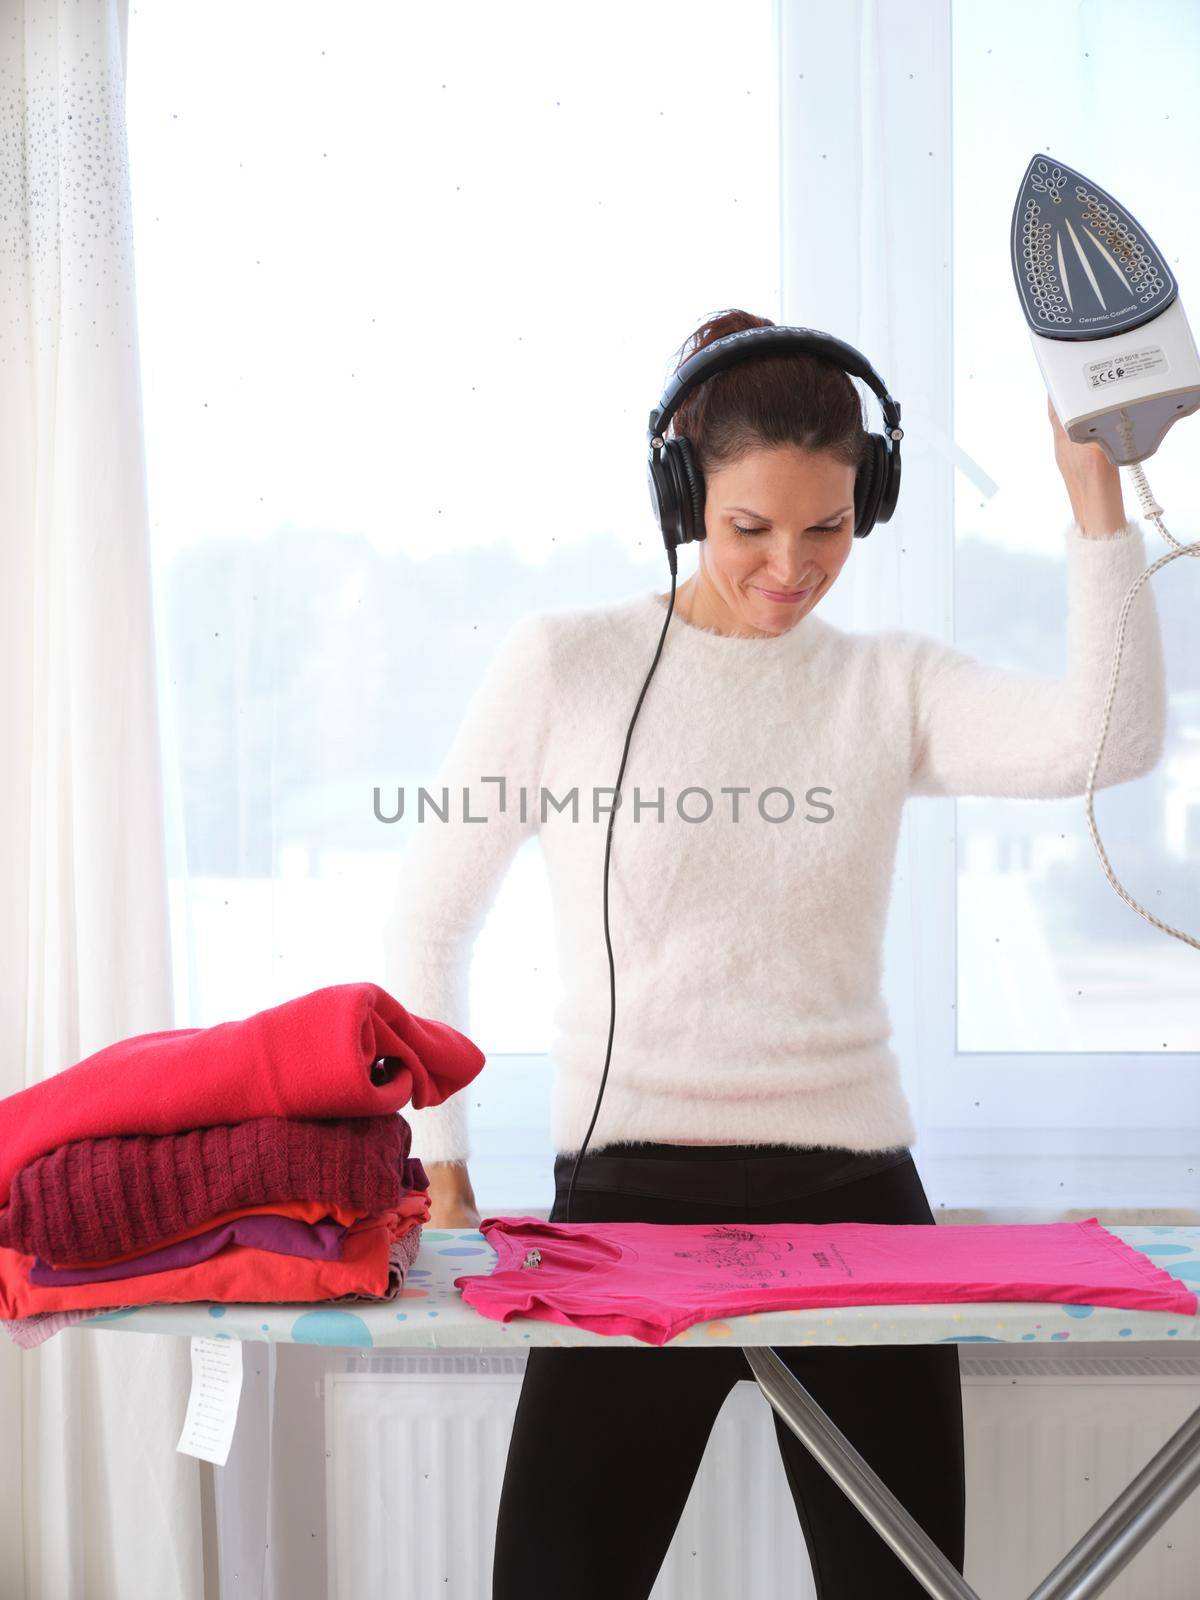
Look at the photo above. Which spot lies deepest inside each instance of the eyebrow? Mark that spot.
(839, 512)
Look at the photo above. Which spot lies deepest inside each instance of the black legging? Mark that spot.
(607, 1440)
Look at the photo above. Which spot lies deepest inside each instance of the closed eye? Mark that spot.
(824, 527)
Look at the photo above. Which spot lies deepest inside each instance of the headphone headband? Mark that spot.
(754, 343)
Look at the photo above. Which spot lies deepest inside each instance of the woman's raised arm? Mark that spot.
(984, 730)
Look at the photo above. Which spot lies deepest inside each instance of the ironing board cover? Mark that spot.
(652, 1280)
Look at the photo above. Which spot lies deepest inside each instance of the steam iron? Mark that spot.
(1107, 324)
(1116, 354)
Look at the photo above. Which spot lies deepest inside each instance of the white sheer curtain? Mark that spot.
(94, 1500)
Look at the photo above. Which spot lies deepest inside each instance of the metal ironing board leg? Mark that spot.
(1113, 1540)
(1086, 1570)
(824, 1440)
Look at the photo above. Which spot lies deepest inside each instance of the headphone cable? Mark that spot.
(612, 976)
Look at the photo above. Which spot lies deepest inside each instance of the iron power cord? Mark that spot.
(1154, 513)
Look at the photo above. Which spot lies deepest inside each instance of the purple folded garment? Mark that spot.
(286, 1236)
(29, 1332)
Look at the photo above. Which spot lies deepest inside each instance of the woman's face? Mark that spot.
(800, 506)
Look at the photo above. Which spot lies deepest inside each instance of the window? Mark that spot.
(402, 319)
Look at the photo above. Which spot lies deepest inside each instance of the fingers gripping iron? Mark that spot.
(1116, 353)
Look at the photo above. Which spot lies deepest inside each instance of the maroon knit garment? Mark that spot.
(92, 1199)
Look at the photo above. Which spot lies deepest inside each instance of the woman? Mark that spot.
(751, 1079)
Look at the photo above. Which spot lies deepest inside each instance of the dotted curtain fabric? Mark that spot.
(84, 925)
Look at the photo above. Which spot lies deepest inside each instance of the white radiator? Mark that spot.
(416, 1441)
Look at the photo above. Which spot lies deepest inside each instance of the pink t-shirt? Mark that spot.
(652, 1280)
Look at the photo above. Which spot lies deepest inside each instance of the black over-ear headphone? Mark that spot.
(677, 498)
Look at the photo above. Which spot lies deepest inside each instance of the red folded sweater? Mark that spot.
(96, 1199)
(350, 1050)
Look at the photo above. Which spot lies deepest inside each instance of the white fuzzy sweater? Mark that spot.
(748, 952)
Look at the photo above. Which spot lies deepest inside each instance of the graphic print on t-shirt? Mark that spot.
(748, 1259)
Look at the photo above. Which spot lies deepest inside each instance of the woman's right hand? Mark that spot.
(452, 1213)
(451, 1197)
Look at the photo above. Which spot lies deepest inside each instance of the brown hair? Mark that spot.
(796, 399)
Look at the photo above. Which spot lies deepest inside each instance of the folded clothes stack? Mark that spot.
(263, 1160)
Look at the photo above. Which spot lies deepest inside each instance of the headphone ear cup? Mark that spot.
(691, 496)
(890, 490)
(664, 498)
(869, 484)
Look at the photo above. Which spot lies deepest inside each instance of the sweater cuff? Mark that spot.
(1074, 534)
(439, 1133)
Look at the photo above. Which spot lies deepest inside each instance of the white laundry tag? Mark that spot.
(213, 1403)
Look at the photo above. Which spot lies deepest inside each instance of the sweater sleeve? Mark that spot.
(984, 730)
(450, 871)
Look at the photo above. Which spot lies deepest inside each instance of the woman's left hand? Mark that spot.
(1093, 482)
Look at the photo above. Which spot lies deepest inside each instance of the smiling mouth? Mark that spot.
(786, 594)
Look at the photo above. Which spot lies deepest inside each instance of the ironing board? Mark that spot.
(431, 1313)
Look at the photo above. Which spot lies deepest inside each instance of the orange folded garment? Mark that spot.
(237, 1274)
